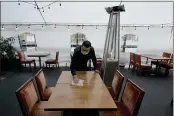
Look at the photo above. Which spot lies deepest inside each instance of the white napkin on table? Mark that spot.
(80, 83)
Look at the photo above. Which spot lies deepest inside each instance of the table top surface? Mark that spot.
(88, 77)
(38, 54)
(155, 57)
(89, 96)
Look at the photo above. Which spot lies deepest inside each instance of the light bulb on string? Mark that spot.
(122, 28)
(19, 3)
(96, 26)
(148, 27)
(68, 27)
(162, 26)
(16, 27)
(2, 27)
(135, 27)
(48, 7)
(29, 26)
(55, 26)
(42, 27)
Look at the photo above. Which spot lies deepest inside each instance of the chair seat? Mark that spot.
(166, 65)
(121, 111)
(28, 60)
(145, 66)
(47, 93)
(45, 113)
(50, 61)
(38, 110)
(111, 91)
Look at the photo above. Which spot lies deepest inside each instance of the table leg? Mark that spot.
(40, 62)
(171, 102)
(156, 68)
(147, 60)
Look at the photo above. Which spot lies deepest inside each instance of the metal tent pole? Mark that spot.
(118, 27)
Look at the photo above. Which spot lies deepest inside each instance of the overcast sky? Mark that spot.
(136, 13)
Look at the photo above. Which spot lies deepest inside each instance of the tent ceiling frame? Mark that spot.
(85, 24)
(87, 1)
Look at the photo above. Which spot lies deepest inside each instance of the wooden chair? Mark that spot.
(99, 63)
(29, 101)
(44, 91)
(25, 61)
(130, 101)
(116, 85)
(167, 65)
(132, 61)
(141, 66)
(53, 61)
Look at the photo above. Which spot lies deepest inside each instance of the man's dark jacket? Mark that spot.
(79, 61)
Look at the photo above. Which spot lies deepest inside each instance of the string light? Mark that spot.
(18, 2)
(135, 27)
(55, 26)
(162, 26)
(122, 28)
(82, 26)
(60, 3)
(28, 26)
(42, 27)
(68, 27)
(148, 27)
(96, 27)
(16, 27)
(48, 7)
(2, 27)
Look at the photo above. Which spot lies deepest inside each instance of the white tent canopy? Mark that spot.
(87, 12)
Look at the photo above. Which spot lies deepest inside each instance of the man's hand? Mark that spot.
(97, 71)
(75, 79)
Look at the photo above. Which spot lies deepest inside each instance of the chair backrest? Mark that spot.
(21, 55)
(171, 61)
(132, 57)
(99, 64)
(117, 84)
(165, 54)
(132, 97)
(27, 97)
(41, 82)
(57, 56)
(137, 59)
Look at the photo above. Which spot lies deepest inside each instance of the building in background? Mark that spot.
(129, 43)
(27, 41)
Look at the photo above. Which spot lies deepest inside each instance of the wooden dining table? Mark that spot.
(154, 57)
(39, 55)
(92, 96)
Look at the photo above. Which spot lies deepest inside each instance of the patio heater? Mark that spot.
(112, 45)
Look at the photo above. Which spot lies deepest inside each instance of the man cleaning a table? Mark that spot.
(80, 58)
